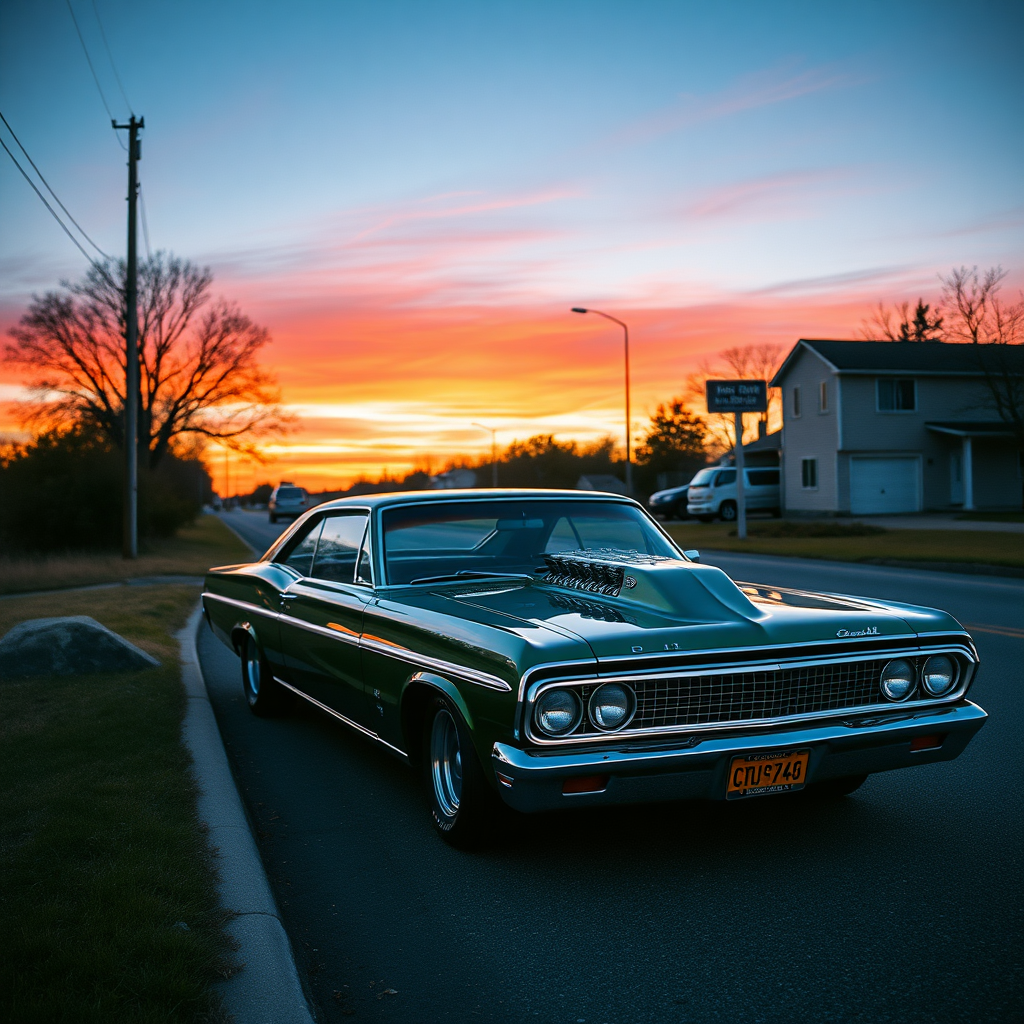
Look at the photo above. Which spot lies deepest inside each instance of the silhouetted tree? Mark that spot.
(896, 324)
(197, 356)
(674, 443)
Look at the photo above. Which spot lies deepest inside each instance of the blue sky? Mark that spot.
(434, 157)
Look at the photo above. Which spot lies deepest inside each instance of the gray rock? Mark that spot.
(72, 645)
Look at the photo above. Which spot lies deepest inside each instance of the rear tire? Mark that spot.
(727, 511)
(463, 807)
(273, 518)
(265, 696)
(835, 789)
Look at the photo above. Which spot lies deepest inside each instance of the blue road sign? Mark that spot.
(737, 395)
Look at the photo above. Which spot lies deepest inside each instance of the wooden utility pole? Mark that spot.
(130, 535)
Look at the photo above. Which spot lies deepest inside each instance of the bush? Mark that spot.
(62, 492)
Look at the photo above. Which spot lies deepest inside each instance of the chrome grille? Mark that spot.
(749, 696)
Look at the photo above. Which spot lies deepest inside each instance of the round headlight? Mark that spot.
(938, 675)
(898, 678)
(558, 712)
(611, 706)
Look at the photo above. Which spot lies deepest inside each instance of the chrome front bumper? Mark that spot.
(532, 780)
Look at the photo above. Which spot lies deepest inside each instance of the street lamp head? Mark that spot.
(578, 309)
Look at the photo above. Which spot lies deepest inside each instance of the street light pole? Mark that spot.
(625, 330)
(494, 452)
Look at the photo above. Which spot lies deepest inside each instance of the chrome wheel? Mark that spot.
(252, 668)
(446, 763)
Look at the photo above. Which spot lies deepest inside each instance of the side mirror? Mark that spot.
(692, 554)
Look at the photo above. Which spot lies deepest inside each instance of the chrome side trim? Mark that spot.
(247, 605)
(334, 634)
(469, 675)
(341, 718)
(757, 723)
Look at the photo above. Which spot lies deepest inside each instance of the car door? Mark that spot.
(322, 617)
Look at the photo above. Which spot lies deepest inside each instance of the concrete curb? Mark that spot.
(267, 990)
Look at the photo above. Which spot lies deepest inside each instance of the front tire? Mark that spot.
(728, 511)
(265, 696)
(463, 806)
(273, 518)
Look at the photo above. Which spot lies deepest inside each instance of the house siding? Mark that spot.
(854, 427)
(812, 434)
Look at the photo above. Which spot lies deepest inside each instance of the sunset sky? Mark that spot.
(411, 196)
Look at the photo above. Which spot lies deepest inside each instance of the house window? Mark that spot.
(796, 400)
(809, 474)
(895, 395)
(823, 397)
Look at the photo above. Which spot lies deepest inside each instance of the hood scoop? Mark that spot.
(596, 571)
(670, 586)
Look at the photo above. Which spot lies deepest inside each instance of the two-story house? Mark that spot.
(885, 427)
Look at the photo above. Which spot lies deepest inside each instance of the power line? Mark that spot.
(53, 212)
(88, 59)
(50, 190)
(110, 56)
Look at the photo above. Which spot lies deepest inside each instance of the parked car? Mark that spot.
(713, 493)
(287, 500)
(548, 649)
(670, 503)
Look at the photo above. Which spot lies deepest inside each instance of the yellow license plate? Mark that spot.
(761, 774)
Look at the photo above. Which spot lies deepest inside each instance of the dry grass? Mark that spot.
(947, 546)
(107, 884)
(195, 548)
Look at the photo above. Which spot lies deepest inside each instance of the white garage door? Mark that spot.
(884, 485)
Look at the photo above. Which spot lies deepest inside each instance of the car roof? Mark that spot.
(454, 494)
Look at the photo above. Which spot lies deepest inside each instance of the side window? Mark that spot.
(796, 400)
(763, 477)
(339, 545)
(299, 553)
(809, 473)
(823, 397)
(725, 477)
(895, 395)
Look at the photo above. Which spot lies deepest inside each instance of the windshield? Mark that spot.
(510, 536)
(702, 478)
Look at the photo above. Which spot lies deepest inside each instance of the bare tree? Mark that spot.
(197, 354)
(979, 316)
(750, 362)
(896, 323)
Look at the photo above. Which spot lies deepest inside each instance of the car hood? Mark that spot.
(688, 607)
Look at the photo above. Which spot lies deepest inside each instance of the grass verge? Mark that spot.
(190, 553)
(110, 905)
(768, 538)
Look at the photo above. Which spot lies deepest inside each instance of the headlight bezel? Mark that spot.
(631, 705)
(538, 711)
(913, 676)
(954, 676)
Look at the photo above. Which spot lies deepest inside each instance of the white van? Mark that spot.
(713, 493)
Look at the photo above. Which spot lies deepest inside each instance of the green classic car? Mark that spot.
(550, 649)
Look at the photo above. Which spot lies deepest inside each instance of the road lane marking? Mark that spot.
(998, 630)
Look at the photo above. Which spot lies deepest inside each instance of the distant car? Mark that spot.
(713, 493)
(553, 649)
(670, 503)
(287, 500)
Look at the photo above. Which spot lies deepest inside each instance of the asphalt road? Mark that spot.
(901, 903)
